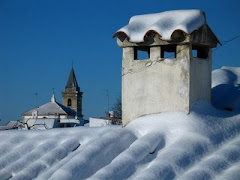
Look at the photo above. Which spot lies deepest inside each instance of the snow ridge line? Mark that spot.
(85, 142)
(182, 155)
(126, 160)
(48, 158)
(216, 161)
(7, 147)
(51, 170)
(95, 156)
(231, 172)
(29, 153)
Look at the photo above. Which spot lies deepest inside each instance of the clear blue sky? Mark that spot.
(40, 38)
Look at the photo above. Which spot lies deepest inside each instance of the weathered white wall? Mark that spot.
(154, 85)
(201, 77)
(96, 122)
(25, 118)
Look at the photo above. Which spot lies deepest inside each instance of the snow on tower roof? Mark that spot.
(164, 23)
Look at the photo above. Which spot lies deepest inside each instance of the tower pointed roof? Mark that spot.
(72, 81)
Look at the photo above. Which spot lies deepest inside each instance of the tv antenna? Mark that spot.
(108, 97)
(36, 94)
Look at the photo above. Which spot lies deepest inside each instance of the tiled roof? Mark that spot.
(164, 24)
(52, 108)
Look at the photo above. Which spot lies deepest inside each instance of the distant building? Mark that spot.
(53, 114)
(167, 62)
(98, 122)
(105, 121)
(11, 125)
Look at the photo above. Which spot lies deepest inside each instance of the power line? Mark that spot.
(225, 42)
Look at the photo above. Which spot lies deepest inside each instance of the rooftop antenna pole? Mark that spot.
(36, 94)
(108, 98)
(76, 117)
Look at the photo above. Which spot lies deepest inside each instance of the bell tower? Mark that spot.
(72, 96)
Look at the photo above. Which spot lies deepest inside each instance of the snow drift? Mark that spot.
(164, 23)
(202, 145)
(226, 94)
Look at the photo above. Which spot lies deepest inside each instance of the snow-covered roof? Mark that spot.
(172, 145)
(226, 85)
(12, 125)
(204, 144)
(164, 23)
(52, 108)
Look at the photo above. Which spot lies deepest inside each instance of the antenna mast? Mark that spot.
(36, 94)
(108, 98)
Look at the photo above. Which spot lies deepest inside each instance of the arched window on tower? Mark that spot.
(69, 102)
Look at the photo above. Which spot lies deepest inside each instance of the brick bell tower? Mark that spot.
(72, 96)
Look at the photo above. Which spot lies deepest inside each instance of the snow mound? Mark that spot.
(204, 144)
(164, 24)
(225, 88)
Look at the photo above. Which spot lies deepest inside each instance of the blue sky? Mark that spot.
(39, 39)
